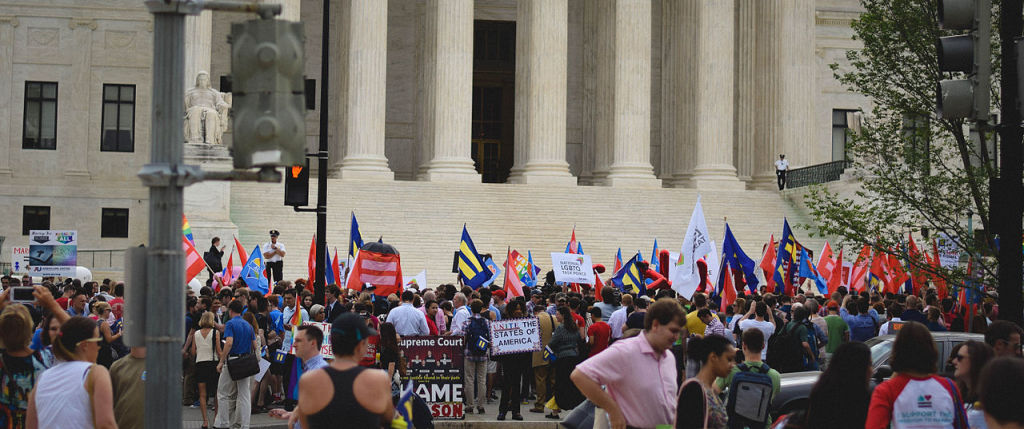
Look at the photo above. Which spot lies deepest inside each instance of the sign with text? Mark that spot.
(53, 253)
(19, 259)
(326, 351)
(515, 336)
(949, 251)
(572, 268)
(434, 364)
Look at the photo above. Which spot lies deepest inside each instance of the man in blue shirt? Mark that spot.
(234, 395)
(863, 326)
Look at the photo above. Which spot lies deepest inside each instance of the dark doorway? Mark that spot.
(494, 83)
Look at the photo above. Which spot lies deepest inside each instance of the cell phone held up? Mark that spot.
(22, 294)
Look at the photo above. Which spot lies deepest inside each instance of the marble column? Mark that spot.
(679, 102)
(446, 85)
(70, 139)
(364, 46)
(541, 78)
(746, 90)
(198, 48)
(623, 94)
(713, 160)
(785, 87)
(7, 143)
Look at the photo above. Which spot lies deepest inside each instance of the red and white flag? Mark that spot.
(861, 266)
(825, 262)
(194, 263)
(768, 265)
(836, 277)
(382, 270)
(513, 286)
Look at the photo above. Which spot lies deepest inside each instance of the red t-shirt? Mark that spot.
(904, 402)
(601, 332)
(580, 321)
(62, 302)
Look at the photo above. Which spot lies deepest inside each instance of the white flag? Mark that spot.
(696, 244)
(418, 281)
(714, 266)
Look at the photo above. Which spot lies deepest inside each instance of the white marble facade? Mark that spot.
(623, 93)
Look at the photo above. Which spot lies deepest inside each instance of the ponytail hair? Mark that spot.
(699, 349)
(72, 332)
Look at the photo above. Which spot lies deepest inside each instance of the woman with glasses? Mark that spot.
(970, 357)
(76, 389)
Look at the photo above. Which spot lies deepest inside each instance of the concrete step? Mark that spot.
(424, 220)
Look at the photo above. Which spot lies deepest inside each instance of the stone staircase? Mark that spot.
(424, 220)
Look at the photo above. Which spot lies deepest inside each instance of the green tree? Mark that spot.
(917, 170)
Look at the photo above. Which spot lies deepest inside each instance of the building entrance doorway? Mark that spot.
(494, 84)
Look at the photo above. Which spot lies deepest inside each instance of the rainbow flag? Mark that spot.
(186, 229)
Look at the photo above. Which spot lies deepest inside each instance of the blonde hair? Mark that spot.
(206, 320)
(100, 306)
(15, 327)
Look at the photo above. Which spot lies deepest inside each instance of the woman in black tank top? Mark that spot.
(344, 410)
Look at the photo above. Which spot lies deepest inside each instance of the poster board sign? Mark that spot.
(572, 268)
(949, 252)
(434, 364)
(846, 270)
(326, 351)
(19, 259)
(515, 336)
(53, 253)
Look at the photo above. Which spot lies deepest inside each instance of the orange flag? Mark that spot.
(826, 265)
(768, 264)
(837, 274)
(861, 267)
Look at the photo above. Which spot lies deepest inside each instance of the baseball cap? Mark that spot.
(274, 233)
(500, 293)
(350, 327)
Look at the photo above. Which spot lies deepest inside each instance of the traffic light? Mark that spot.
(269, 106)
(296, 185)
(968, 53)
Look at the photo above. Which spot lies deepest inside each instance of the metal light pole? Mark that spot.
(1010, 209)
(165, 260)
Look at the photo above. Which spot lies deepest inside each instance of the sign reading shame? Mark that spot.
(515, 336)
(572, 268)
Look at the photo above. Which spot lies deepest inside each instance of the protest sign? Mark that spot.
(572, 268)
(949, 252)
(19, 259)
(515, 336)
(326, 351)
(53, 253)
(434, 364)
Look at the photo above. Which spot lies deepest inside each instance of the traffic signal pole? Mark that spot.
(1010, 207)
(321, 172)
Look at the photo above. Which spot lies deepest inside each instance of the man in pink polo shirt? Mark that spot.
(645, 395)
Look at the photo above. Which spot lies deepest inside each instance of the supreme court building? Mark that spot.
(519, 118)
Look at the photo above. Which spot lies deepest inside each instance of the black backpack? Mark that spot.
(750, 397)
(785, 351)
(476, 337)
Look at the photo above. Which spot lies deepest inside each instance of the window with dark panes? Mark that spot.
(114, 223)
(39, 130)
(34, 218)
(118, 118)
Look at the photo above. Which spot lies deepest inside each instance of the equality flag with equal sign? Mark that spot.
(380, 265)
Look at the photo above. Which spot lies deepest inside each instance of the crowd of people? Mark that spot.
(641, 359)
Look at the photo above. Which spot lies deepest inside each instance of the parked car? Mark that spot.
(795, 387)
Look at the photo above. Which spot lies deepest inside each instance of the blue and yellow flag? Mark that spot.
(471, 267)
(736, 258)
(785, 259)
(629, 279)
(355, 239)
(404, 406)
(252, 272)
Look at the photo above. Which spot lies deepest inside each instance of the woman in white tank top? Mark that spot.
(76, 389)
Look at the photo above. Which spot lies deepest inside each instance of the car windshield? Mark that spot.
(881, 349)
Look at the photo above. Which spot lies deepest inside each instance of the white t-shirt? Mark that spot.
(782, 165)
(267, 247)
(766, 327)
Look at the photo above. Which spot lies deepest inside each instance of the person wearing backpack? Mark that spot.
(752, 385)
(478, 346)
(797, 344)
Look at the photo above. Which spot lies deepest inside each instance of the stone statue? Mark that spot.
(206, 112)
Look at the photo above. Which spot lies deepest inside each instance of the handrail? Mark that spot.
(814, 174)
